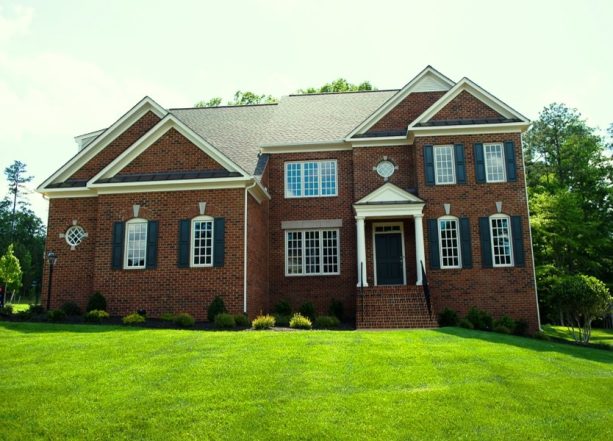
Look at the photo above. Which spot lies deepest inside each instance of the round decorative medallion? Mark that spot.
(74, 235)
(385, 169)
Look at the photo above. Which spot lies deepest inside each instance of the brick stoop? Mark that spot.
(398, 306)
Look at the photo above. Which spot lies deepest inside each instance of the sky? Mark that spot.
(71, 67)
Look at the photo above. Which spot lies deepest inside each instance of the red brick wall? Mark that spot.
(118, 146)
(257, 257)
(406, 111)
(172, 152)
(465, 106)
(498, 290)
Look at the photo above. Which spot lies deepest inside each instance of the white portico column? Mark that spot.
(361, 251)
(419, 246)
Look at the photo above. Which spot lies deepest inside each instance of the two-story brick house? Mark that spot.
(353, 197)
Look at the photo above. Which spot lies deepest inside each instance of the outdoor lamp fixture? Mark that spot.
(52, 258)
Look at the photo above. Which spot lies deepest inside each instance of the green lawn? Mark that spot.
(91, 382)
(601, 336)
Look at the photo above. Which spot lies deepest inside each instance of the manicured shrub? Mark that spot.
(506, 322)
(282, 320)
(263, 322)
(133, 319)
(71, 309)
(184, 320)
(225, 321)
(6, 311)
(501, 329)
(168, 317)
(299, 321)
(282, 308)
(217, 306)
(480, 319)
(521, 327)
(242, 321)
(540, 335)
(56, 315)
(96, 316)
(336, 309)
(37, 309)
(448, 318)
(465, 323)
(307, 310)
(327, 322)
(23, 315)
(96, 301)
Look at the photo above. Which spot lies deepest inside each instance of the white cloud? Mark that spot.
(16, 25)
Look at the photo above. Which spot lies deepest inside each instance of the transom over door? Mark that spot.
(389, 259)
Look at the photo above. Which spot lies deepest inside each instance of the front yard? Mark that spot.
(104, 382)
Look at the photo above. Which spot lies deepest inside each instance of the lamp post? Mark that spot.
(52, 258)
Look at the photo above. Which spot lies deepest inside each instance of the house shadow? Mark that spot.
(49, 328)
(532, 344)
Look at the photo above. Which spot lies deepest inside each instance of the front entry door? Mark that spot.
(390, 262)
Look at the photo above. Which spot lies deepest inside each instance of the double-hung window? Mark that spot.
(312, 252)
(449, 242)
(310, 179)
(202, 241)
(444, 165)
(135, 244)
(500, 233)
(494, 162)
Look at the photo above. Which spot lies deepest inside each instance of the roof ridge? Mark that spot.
(223, 107)
(343, 93)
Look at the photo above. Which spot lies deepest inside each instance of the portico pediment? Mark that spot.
(389, 194)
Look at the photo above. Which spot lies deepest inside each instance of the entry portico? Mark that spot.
(388, 202)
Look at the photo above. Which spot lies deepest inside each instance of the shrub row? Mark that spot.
(483, 321)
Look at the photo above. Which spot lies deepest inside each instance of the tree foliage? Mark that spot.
(10, 270)
(339, 85)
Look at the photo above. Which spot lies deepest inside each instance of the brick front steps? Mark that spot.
(397, 306)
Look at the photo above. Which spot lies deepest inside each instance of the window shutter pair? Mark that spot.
(460, 164)
(464, 240)
(185, 242)
(118, 244)
(486, 244)
(509, 157)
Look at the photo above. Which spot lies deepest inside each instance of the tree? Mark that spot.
(339, 85)
(582, 299)
(16, 176)
(10, 271)
(213, 102)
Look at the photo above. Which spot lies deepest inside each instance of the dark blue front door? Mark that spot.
(388, 248)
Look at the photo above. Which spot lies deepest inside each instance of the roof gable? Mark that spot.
(389, 193)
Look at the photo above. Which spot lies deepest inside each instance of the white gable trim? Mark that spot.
(476, 129)
(149, 138)
(109, 135)
(428, 79)
(389, 193)
(481, 94)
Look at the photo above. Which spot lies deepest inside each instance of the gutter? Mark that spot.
(247, 188)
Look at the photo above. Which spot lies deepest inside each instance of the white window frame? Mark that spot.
(129, 223)
(504, 159)
(321, 252)
(458, 239)
(289, 195)
(192, 241)
(510, 234)
(436, 173)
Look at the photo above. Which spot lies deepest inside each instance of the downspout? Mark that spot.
(247, 188)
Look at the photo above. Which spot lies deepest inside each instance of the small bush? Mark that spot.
(56, 315)
(521, 327)
(327, 322)
(133, 319)
(96, 301)
(37, 309)
(501, 329)
(540, 335)
(71, 309)
(217, 306)
(506, 322)
(96, 316)
(282, 308)
(184, 320)
(448, 318)
(242, 321)
(465, 323)
(23, 315)
(336, 309)
(282, 320)
(263, 322)
(225, 321)
(6, 311)
(168, 317)
(299, 321)
(307, 310)
(480, 319)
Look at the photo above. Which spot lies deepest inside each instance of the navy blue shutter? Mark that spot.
(518, 241)
(184, 242)
(152, 244)
(460, 164)
(486, 244)
(429, 164)
(465, 243)
(435, 258)
(479, 163)
(509, 156)
(218, 241)
(118, 236)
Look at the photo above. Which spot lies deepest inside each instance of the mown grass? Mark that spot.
(599, 336)
(103, 382)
